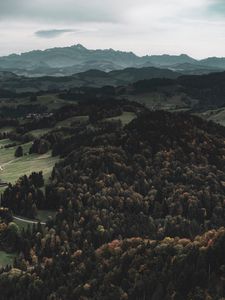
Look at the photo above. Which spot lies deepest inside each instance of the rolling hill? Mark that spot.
(91, 78)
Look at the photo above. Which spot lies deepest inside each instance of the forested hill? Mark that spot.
(200, 92)
(140, 211)
(156, 88)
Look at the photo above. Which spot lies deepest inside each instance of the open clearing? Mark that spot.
(5, 142)
(7, 129)
(217, 115)
(68, 122)
(52, 101)
(40, 132)
(125, 118)
(13, 167)
(65, 123)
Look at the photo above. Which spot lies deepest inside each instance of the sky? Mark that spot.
(193, 27)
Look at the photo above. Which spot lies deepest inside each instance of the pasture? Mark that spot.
(125, 118)
(13, 167)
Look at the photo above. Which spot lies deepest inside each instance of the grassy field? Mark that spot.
(68, 122)
(40, 132)
(217, 115)
(14, 167)
(155, 100)
(52, 101)
(7, 129)
(5, 142)
(6, 258)
(125, 118)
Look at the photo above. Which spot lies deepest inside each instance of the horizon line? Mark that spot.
(108, 49)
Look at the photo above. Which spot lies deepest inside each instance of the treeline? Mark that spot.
(22, 109)
(62, 141)
(25, 196)
(208, 89)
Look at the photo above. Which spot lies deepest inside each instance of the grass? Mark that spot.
(217, 115)
(40, 132)
(68, 122)
(5, 142)
(7, 129)
(65, 123)
(125, 118)
(156, 100)
(52, 101)
(13, 167)
(17, 167)
(6, 258)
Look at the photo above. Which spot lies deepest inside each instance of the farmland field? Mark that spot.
(37, 133)
(13, 168)
(52, 101)
(68, 122)
(125, 118)
(217, 115)
(7, 129)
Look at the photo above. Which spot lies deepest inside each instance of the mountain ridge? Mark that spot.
(63, 61)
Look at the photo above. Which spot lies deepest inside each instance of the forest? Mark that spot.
(112, 150)
(139, 206)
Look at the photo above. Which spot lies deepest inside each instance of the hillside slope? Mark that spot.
(140, 209)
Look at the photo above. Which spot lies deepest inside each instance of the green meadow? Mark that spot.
(12, 168)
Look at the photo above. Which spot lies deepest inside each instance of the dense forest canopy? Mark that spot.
(140, 208)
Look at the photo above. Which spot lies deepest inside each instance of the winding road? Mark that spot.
(28, 221)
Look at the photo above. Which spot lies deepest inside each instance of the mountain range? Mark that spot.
(75, 59)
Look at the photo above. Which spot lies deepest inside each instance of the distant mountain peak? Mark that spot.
(184, 55)
(79, 46)
(77, 58)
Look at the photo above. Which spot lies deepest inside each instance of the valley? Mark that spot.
(126, 179)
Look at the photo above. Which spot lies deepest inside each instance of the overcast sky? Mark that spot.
(195, 27)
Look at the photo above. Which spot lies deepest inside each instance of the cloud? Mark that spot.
(61, 11)
(52, 33)
(107, 11)
(144, 26)
(217, 7)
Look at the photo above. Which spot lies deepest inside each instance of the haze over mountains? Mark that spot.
(92, 78)
(70, 60)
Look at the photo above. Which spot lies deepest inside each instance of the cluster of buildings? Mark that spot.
(38, 116)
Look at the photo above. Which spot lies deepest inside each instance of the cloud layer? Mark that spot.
(144, 26)
(52, 33)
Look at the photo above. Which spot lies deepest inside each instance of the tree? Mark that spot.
(12, 233)
(19, 152)
(33, 98)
